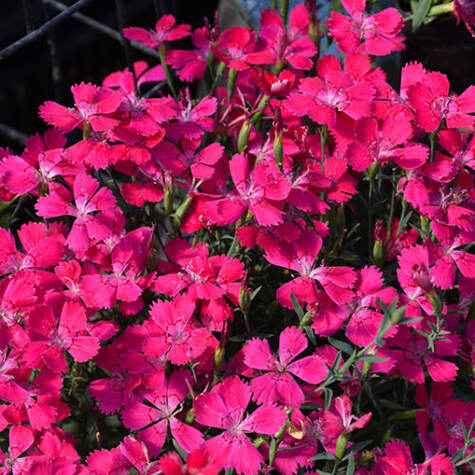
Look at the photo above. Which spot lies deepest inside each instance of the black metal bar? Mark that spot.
(101, 28)
(13, 134)
(121, 21)
(42, 30)
(154, 89)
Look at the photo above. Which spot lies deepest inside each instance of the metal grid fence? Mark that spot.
(55, 15)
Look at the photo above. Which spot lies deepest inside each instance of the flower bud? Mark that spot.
(425, 226)
(421, 276)
(190, 416)
(341, 446)
(435, 301)
(272, 451)
(398, 315)
(244, 299)
(378, 254)
(181, 211)
(373, 170)
(259, 442)
(219, 358)
(86, 130)
(278, 144)
(168, 201)
(232, 76)
(243, 138)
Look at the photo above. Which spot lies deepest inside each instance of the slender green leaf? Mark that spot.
(420, 13)
(350, 469)
(341, 345)
(297, 307)
(328, 398)
(324, 456)
(310, 335)
(356, 447)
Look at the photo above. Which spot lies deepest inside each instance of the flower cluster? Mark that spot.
(275, 276)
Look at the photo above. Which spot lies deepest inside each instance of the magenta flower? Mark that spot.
(237, 48)
(339, 420)
(447, 258)
(92, 107)
(300, 256)
(366, 314)
(16, 461)
(415, 355)
(191, 64)
(175, 333)
(432, 103)
(50, 337)
(224, 407)
(89, 199)
(288, 45)
(164, 31)
(376, 34)
(164, 402)
(333, 90)
(124, 283)
(277, 385)
(381, 141)
(262, 191)
(465, 10)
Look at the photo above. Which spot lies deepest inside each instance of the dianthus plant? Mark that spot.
(275, 275)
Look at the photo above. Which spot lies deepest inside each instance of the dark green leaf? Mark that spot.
(328, 398)
(420, 13)
(324, 456)
(350, 469)
(311, 335)
(357, 447)
(297, 307)
(341, 345)
(372, 359)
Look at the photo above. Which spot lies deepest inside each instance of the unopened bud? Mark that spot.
(398, 315)
(86, 130)
(281, 431)
(341, 444)
(373, 170)
(168, 201)
(421, 276)
(259, 442)
(272, 451)
(425, 226)
(219, 358)
(232, 76)
(243, 138)
(306, 319)
(190, 416)
(244, 299)
(181, 211)
(366, 367)
(436, 303)
(378, 253)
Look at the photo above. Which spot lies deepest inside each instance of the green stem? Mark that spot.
(161, 52)
(441, 9)
(284, 10)
(219, 73)
(232, 76)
